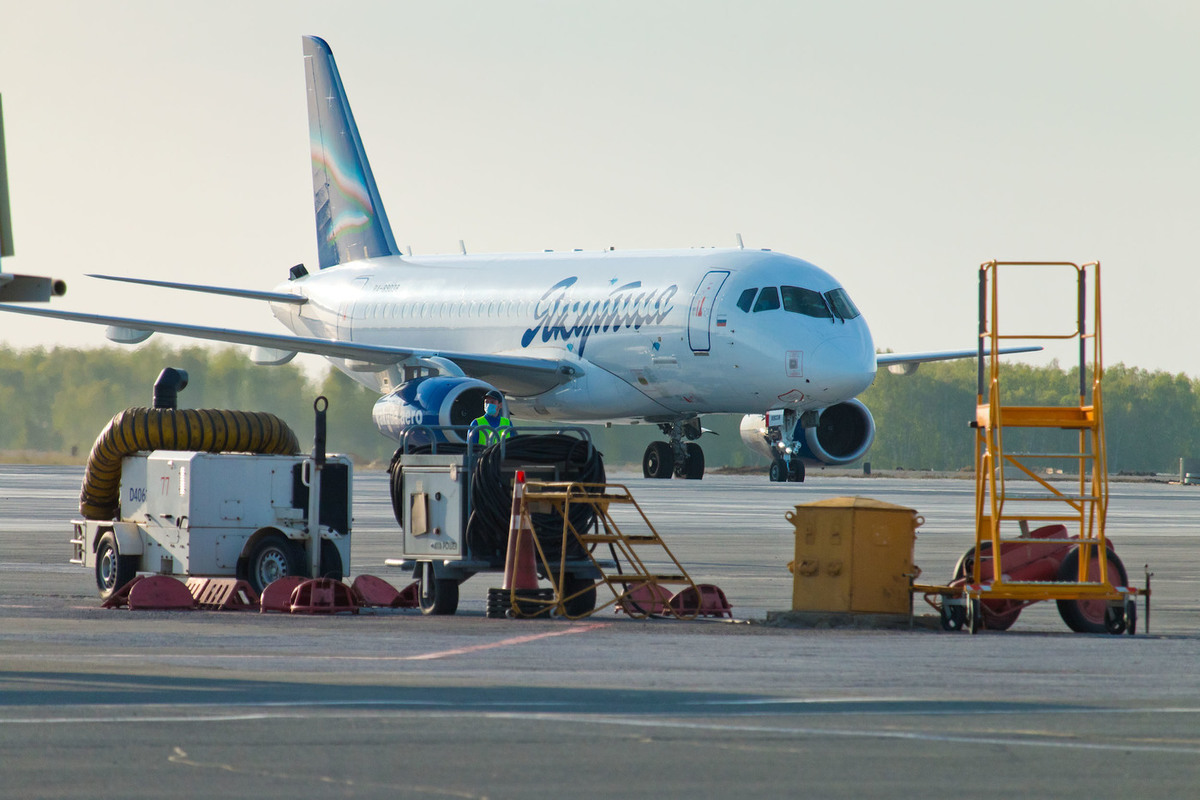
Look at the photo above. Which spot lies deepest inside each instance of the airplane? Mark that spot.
(663, 337)
(19, 288)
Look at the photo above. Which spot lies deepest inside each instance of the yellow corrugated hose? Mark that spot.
(203, 429)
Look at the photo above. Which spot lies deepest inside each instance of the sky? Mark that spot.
(896, 145)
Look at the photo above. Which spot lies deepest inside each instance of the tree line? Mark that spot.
(58, 400)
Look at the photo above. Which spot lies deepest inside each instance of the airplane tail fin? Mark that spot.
(6, 245)
(351, 222)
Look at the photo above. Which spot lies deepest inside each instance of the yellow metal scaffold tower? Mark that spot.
(1059, 485)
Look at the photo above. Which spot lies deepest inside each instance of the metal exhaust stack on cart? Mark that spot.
(210, 494)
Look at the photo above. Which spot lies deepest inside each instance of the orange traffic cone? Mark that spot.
(520, 566)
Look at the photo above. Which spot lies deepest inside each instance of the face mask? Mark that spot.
(491, 409)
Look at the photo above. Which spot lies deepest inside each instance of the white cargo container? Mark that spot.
(218, 515)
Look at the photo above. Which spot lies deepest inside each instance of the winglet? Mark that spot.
(351, 223)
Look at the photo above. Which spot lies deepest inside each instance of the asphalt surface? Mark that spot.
(386, 703)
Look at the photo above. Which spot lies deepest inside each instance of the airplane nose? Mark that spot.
(841, 367)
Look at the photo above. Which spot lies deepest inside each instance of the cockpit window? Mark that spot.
(768, 299)
(746, 299)
(843, 306)
(805, 301)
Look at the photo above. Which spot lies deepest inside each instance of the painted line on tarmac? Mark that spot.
(632, 722)
(296, 712)
(533, 637)
(457, 651)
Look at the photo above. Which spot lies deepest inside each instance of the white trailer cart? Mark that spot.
(218, 515)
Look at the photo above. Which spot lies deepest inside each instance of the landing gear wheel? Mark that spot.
(693, 469)
(585, 603)
(796, 473)
(436, 596)
(1091, 616)
(113, 570)
(778, 471)
(274, 557)
(658, 461)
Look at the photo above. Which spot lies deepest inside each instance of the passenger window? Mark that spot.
(746, 299)
(768, 300)
(806, 302)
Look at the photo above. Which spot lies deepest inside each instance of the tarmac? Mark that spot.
(388, 703)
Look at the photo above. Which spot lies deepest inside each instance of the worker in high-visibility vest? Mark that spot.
(491, 427)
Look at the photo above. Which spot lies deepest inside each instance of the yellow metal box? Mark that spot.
(853, 554)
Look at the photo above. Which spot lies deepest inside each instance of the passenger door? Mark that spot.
(700, 312)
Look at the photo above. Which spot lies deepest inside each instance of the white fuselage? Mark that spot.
(654, 335)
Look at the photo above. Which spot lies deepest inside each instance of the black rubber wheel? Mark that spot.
(1131, 617)
(974, 616)
(274, 557)
(954, 615)
(796, 473)
(1114, 620)
(1090, 616)
(778, 471)
(996, 615)
(585, 603)
(693, 469)
(113, 570)
(436, 596)
(658, 461)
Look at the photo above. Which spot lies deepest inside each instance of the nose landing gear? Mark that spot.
(676, 457)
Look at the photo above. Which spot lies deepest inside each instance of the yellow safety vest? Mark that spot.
(489, 434)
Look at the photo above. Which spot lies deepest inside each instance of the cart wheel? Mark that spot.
(1114, 620)
(113, 570)
(1089, 616)
(585, 603)
(974, 616)
(954, 615)
(274, 557)
(437, 596)
(1131, 616)
(998, 615)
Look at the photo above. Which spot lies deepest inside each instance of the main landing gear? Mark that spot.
(676, 457)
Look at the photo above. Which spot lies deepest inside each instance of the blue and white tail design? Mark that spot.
(351, 222)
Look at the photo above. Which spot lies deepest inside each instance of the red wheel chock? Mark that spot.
(152, 593)
(322, 596)
(277, 595)
(705, 600)
(645, 599)
(223, 594)
(371, 591)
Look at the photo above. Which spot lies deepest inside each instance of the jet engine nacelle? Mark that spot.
(430, 401)
(843, 433)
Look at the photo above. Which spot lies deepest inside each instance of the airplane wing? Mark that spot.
(250, 294)
(520, 376)
(907, 363)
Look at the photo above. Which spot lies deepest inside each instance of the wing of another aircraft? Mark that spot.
(249, 294)
(907, 363)
(517, 375)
